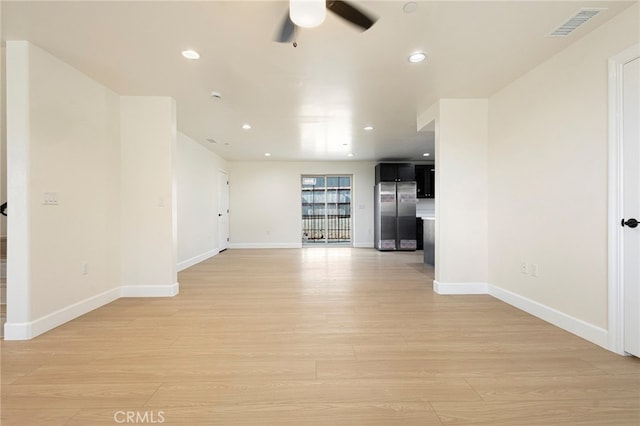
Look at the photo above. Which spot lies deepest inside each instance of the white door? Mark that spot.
(631, 205)
(223, 210)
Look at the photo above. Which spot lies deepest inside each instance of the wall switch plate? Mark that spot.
(524, 268)
(534, 269)
(50, 198)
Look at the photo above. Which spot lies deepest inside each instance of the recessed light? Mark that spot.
(417, 57)
(267, 154)
(216, 95)
(410, 7)
(246, 126)
(368, 128)
(349, 155)
(190, 54)
(426, 154)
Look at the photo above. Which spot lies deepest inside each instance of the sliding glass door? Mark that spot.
(326, 209)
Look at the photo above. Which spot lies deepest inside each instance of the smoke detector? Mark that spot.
(216, 95)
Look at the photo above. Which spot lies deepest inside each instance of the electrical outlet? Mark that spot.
(524, 268)
(534, 269)
(85, 268)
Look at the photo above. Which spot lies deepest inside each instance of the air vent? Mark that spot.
(575, 22)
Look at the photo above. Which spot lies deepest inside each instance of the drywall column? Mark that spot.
(64, 191)
(149, 226)
(3, 143)
(18, 293)
(461, 140)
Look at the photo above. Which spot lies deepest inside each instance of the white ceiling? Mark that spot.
(309, 102)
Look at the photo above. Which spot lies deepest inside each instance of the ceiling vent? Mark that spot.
(575, 22)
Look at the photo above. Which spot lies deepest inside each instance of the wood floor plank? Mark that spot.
(595, 412)
(370, 414)
(76, 395)
(168, 369)
(39, 417)
(448, 367)
(555, 388)
(315, 336)
(310, 391)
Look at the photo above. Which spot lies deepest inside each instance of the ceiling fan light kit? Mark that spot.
(307, 13)
(311, 13)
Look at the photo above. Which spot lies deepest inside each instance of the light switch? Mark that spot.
(50, 198)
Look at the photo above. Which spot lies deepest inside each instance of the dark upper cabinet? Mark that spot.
(395, 172)
(425, 179)
(406, 172)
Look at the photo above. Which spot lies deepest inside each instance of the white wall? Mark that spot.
(109, 160)
(149, 221)
(63, 133)
(548, 176)
(265, 201)
(197, 192)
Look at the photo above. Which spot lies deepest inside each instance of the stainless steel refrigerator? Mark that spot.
(395, 216)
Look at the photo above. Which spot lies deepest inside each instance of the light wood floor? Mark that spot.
(315, 337)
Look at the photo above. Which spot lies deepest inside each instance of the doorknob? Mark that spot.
(631, 223)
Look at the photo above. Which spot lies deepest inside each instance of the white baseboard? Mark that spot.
(460, 288)
(576, 326)
(29, 330)
(196, 259)
(264, 245)
(363, 245)
(285, 245)
(580, 328)
(150, 290)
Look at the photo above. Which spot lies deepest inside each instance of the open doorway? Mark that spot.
(326, 209)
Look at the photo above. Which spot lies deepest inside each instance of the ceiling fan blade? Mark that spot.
(351, 14)
(287, 30)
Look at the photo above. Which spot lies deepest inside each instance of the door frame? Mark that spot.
(615, 246)
(223, 244)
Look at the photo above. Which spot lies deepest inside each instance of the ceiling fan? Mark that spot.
(311, 13)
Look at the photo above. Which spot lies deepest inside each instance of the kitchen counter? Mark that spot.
(429, 239)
